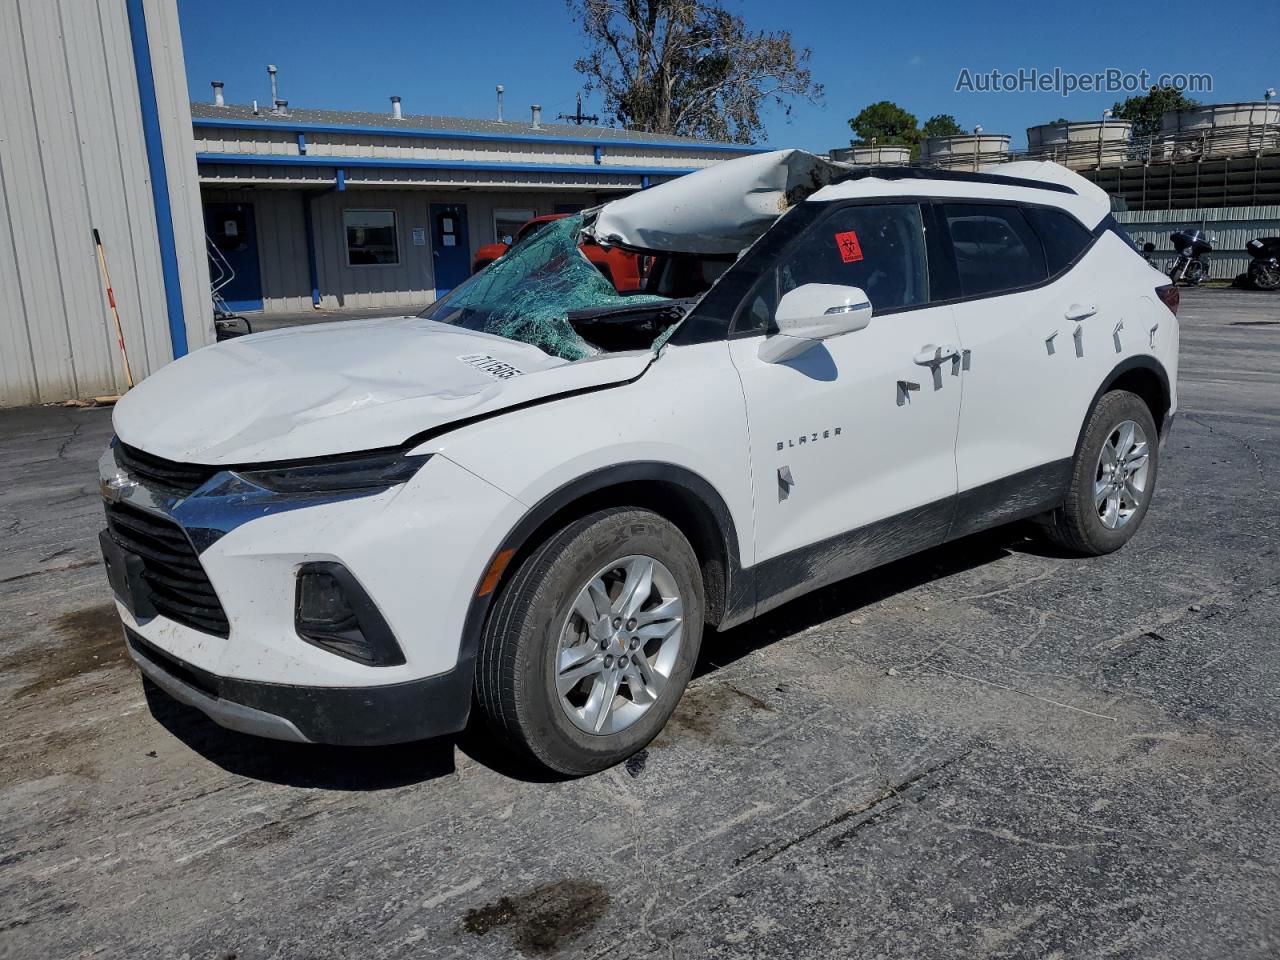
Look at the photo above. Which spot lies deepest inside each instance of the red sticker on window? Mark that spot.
(850, 249)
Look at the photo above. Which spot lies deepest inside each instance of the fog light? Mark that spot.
(333, 612)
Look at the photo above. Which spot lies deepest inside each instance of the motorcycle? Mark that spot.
(1147, 250)
(1191, 265)
(1264, 268)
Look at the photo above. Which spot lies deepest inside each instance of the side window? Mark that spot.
(1063, 236)
(995, 248)
(879, 248)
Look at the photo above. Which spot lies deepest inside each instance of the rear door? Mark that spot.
(852, 442)
(1032, 328)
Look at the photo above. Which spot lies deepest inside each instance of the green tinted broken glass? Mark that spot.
(527, 294)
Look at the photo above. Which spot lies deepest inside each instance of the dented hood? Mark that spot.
(718, 210)
(342, 388)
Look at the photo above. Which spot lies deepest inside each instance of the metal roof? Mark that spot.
(242, 113)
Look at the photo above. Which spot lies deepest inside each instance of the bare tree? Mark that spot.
(688, 67)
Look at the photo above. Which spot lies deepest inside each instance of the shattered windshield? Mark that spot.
(528, 294)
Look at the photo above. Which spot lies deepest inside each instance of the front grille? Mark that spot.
(164, 476)
(176, 582)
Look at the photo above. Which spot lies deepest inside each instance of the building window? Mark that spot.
(371, 237)
(507, 223)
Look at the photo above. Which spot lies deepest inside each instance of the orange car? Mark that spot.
(621, 268)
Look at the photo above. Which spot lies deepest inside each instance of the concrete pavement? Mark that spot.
(985, 751)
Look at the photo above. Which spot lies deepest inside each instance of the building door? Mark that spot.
(233, 230)
(450, 246)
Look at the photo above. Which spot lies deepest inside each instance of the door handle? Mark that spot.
(1078, 312)
(931, 356)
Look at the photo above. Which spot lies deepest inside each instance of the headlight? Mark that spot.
(361, 471)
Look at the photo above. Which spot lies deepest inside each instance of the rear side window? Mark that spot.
(995, 248)
(1063, 237)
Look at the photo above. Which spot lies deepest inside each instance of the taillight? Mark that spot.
(1170, 297)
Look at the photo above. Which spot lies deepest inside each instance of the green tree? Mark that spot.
(941, 125)
(887, 122)
(688, 67)
(1144, 111)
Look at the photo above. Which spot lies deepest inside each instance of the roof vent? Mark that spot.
(279, 107)
(395, 109)
(217, 94)
(537, 116)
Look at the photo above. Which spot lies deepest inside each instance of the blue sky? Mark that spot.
(446, 57)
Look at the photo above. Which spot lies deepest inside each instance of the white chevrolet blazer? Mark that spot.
(535, 495)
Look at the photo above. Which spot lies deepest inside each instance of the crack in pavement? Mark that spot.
(1257, 458)
(892, 790)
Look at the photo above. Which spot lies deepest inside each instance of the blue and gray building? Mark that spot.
(363, 210)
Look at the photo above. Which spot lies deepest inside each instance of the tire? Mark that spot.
(1265, 277)
(539, 610)
(1082, 524)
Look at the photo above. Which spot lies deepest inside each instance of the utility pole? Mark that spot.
(578, 116)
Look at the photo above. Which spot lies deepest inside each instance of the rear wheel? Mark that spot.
(1265, 276)
(1113, 477)
(592, 641)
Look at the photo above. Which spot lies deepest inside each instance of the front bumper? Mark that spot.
(344, 716)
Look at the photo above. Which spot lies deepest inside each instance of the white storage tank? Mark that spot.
(1081, 145)
(965, 151)
(1219, 130)
(875, 156)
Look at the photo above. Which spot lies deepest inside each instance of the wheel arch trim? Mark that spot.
(1128, 365)
(738, 593)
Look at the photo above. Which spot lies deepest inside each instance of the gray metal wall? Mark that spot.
(73, 157)
(282, 252)
(1232, 228)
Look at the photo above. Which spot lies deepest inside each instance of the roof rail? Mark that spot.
(964, 176)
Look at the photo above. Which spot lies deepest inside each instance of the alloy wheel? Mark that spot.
(1120, 482)
(618, 644)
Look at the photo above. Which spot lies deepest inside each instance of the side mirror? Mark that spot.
(811, 313)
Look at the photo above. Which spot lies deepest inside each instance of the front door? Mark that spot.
(234, 272)
(450, 246)
(853, 441)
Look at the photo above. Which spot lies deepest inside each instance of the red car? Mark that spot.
(621, 268)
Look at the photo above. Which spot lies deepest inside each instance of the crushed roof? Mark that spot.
(463, 125)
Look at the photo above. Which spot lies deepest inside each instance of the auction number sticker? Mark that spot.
(498, 369)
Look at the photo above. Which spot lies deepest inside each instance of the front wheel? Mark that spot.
(1113, 477)
(592, 641)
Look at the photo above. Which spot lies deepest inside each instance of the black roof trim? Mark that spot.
(963, 176)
